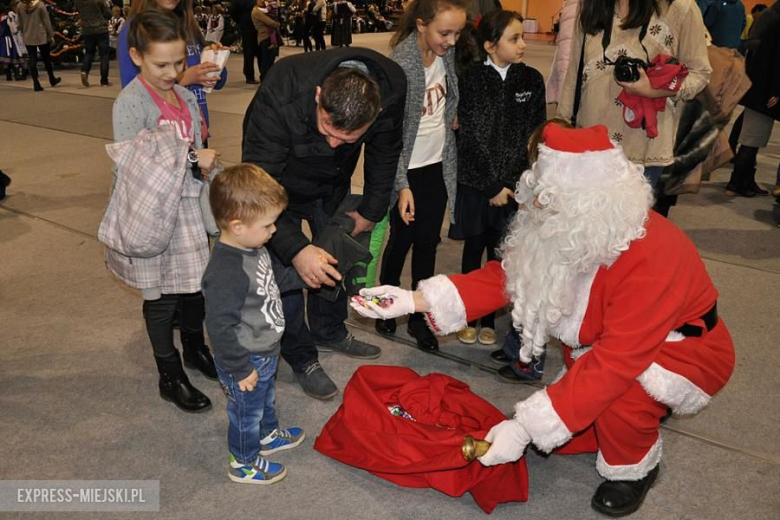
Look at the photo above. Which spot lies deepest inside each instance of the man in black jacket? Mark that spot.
(241, 12)
(306, 127)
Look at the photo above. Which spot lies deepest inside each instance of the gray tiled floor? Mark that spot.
(78, 383)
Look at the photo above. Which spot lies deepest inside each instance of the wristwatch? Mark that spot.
(193, 157)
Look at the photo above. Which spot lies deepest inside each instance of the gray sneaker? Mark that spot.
(352, 347)
(316, 383)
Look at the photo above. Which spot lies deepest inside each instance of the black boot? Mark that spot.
(385, 327)
(8, 76)
(176, 388)
(417, 328)
(622, 497)
(197, 355)
(5, 181)
(744, 172)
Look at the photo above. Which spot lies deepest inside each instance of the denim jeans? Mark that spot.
(653, 174)
(251, 415)
(326, 319)
(99, 41)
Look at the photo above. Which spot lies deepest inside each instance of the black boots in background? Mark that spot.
(197, 355)
(743, 177)
(5, 181)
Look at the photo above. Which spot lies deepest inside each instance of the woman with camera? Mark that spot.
(613, 43)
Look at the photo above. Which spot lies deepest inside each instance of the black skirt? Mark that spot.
(474, 215)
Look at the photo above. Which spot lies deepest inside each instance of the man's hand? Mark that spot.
(406, 205)
(361, 223)
(315, 266)
(508, 440)
(249, 382)
(502, 198)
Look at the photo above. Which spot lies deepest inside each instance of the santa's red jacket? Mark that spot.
(623, 329)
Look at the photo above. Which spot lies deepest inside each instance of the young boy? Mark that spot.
(245, 321)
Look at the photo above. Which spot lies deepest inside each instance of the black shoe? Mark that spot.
(175, 387)
(316, 383)
(622, 497)
(758, 189)
(5, 181)
(385, 327)
(54, 81)
(426, 341)
(252, 82)
(351, 347)
(742, 191)
(37, 87)
(499, 357)
(201, 360)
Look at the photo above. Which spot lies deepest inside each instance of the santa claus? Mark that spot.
(625, 291)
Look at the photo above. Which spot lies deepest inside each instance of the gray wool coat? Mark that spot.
(407, 54)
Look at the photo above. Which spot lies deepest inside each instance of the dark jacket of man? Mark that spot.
(281, 136)
(241, 12)
(763, 62)
(94, 15)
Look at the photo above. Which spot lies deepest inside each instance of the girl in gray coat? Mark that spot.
(38, 34)
(427, 169)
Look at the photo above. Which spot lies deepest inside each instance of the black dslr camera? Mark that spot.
(627, 69)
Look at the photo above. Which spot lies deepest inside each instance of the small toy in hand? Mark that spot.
(382, 302)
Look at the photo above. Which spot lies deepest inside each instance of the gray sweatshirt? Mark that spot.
(243, 307)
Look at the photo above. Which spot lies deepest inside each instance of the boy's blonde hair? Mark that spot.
(244, 192)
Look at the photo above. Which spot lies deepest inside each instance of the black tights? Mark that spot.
(45, 56)
(472, 260)
(159, 316)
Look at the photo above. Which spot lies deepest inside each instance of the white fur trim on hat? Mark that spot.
(633, 471)
(585, 169)
(537, 415)
(675, 391)
(448, 313)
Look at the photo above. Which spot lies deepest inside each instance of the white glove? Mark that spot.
(394, 302)
(508, 440)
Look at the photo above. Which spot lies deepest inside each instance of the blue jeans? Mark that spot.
(252, 414)
(653, 174)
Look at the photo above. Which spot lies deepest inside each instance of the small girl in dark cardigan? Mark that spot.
(502, 101)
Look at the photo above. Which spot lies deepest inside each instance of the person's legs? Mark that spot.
(653, 174)
(430, 194)
(319, 35)
(90, 44)
(249, 41)
(174, 384)
(193, 342)
(46, 57)
(32, 56)
(105, 50)
(267, 57)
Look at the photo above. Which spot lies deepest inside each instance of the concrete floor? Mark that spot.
(78, 385)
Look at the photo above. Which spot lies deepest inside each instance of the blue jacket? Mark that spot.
(128, 70)
(725, 19)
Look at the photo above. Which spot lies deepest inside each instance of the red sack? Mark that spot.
(409, 429)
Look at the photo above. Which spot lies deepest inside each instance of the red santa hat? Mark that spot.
(580, 157)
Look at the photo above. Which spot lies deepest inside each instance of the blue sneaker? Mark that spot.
(279, 440)
(260, 472)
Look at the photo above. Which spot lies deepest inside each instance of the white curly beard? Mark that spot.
(583, 224)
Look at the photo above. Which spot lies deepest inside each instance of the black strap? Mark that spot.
(578, 88)
(606, 39)
(710, 319)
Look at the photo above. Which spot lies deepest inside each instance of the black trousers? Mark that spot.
(159, 315)
(267, 57)
(318, 33)
(471, 260)
(422, 235)
(45, 51)
(251, 53)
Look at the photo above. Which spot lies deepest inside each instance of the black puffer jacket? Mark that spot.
(763, 63)
(281, 136)
(495, 119)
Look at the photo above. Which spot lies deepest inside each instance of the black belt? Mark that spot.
(710, 319)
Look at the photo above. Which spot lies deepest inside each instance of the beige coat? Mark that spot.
(262, 24)
(678, 32)
(35, 24)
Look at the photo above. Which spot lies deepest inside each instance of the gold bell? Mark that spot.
(473, 448)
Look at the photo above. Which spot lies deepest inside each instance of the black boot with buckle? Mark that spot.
(623, 497)
(176, 387)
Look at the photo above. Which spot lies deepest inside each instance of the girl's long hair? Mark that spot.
(184, 10)
(425, 10)
(596, 15)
